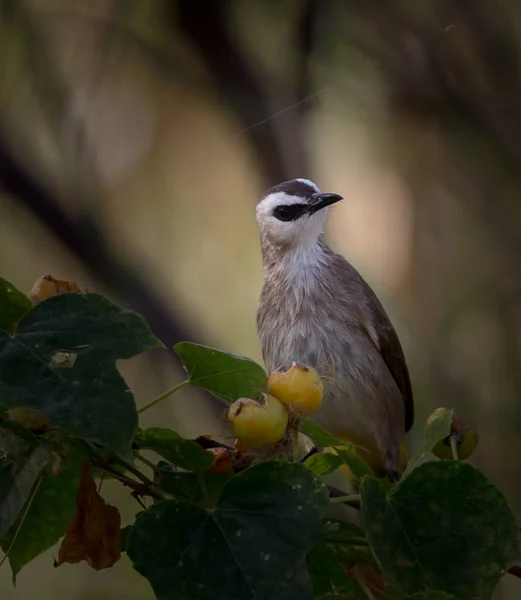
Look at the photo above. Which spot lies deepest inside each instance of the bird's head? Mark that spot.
(292, 214)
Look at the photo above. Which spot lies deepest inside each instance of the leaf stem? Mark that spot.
(454, 447)
(142, 489)
(162, 396)
(347, 498)
(146, 487)
(134, 470)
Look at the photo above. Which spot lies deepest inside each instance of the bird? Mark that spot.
(315, 308)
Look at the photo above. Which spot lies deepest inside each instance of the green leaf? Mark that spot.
(445, 527)
(328, 561)
(183, 486)
(341, 532)
(21, 461)
(50, 512)
(225, 375)
(13, 305)
(323, 463)
(431, 596)
(358, 467)
(89, 399)
(437, 430)
(328, 566)
(355, 595)
(328, 570)
(319, 435)
(186, 454)
(198, 489)
(252, 543)
(345, 450)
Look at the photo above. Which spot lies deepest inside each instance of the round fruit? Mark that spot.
(299, 387)
(256, 424)
(465, 438)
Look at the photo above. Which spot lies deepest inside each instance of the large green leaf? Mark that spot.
(445, 527)
(342, 532)
(420, 596)
(319, 435)
(202, 489)
(186, 454)
(330, 559)
(250, 545)
(431, 596)
(438, 429)
(323, 463)
(50, 511)
(358, 467)
(13, 305)
(345, 452)
(21, 461)
(227, 376)
(337, 597)
(89, 399)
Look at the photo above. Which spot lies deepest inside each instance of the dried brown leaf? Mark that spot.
(94, 534)
(47, 286)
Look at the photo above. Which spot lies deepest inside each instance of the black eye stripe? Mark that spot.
(289, 212)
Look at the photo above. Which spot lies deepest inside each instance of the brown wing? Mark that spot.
(385, 338)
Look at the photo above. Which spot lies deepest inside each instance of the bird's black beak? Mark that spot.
(321, 200)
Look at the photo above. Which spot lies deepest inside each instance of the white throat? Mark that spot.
(302, 269)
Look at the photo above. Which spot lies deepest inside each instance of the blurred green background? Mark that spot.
(136, 137)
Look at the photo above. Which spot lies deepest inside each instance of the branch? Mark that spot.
(83, 238)
(429, 73)
(205, 23)
(306, 38)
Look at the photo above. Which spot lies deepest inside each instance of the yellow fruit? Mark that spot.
(299, 387)
(256, 424)
(466, 438)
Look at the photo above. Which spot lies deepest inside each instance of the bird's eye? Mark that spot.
(289, 212)
(283, 213)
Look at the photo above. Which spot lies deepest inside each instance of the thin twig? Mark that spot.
(142, 489)
(18, 529)
(144, 460)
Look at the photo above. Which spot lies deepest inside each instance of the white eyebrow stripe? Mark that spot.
(267, 204)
